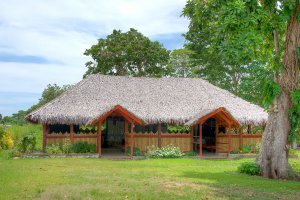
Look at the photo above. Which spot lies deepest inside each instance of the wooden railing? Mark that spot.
(64, 137)
(145, 140)
(237, 140)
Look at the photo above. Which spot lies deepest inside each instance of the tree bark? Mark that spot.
(273, 157)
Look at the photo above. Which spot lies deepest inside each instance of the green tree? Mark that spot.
(237, 33)
(50, 92)
(180, 63)
(129, 53)
(252, 83)
(221, 35)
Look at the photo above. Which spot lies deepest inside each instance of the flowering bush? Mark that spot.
(169, 151)
(53, 149)
(67, 147)
(6, 141)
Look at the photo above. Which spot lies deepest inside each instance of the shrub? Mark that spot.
(6, 141)
(169, 151)
(234, 152)
(53, 149)
(9, 153)
(249, 168)
(246, 149)
(136, 151)
(28, 143)
(190, 153)
(84, 147)
(292, 151)
(257, 147)
(67, 147)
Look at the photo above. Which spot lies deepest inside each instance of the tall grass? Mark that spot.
(19, 131)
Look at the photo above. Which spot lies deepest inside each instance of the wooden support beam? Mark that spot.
(241, 137)
(45, 132)
(200, 142)
(125, 135)
(99, 139)
(72, 133)
(249, 129)
(159, 135)
(217, 132)
(192, 138)
(229, 138)
(131, 139)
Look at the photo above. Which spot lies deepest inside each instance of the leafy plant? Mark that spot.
(67, 147)
(9, 153)
(53, 149)
(191, 153)
(246, 149)
(234, 152)
(249, 168)
(177, 129)
(84, 147)
(169, 151)
(136, 151)
(28, 143)
(292, 151)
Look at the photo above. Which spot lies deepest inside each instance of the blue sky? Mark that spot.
(43, 42)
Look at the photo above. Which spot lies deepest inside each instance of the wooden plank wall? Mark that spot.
(247, 139)
(145, 140)
(60, 138)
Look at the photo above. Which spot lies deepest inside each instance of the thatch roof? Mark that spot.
(168, 100)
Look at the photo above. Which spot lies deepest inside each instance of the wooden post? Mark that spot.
(131, 139)
(200, 142)
(99, 139)
(241, 137)
(72, 133)
(217, 132)
(229, 138)
(45, 132)
(249, 129)
(125, 135)
(192, 138)
(159, 135)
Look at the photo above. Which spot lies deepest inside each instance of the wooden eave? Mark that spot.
(219, 114)
(119, 110)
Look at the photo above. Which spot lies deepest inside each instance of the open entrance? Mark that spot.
(208, 137)
(113, 136)
(212, 132)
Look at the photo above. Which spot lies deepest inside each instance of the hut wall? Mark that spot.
(60, 138)
(183, 141)
(247, 139)
(145, 140)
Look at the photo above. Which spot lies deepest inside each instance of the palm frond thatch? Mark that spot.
(168, 100)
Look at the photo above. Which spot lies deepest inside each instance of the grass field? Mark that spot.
(82, 178)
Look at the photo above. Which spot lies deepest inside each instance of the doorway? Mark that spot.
(113, 141)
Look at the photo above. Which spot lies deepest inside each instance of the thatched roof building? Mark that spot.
(152, 100)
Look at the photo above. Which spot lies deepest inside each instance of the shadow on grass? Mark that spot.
(237, 185)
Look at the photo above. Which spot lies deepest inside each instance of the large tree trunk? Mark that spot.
(273, 157)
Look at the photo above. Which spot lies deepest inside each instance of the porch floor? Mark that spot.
(114, 154)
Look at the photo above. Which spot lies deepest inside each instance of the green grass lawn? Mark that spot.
(83, 178)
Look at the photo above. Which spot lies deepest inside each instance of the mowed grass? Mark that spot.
(83, 178)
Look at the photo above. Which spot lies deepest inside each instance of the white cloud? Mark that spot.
(60, 31)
